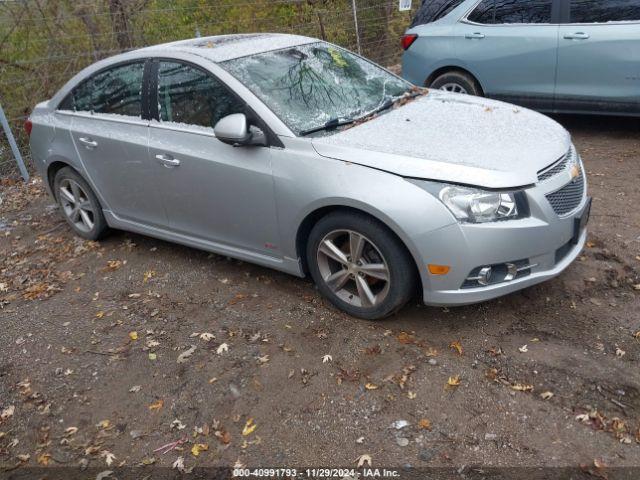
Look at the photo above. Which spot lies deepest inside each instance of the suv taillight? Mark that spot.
(407, 40)
(28, 126)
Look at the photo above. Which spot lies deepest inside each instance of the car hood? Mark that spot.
(454, 138)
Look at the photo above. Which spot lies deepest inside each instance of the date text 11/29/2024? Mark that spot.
(342, 473)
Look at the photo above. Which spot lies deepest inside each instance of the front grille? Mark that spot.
(569, 197)
(556, 168)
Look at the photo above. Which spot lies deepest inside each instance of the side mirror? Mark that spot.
(235, 130)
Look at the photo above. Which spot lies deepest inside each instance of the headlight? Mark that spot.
(479, 206)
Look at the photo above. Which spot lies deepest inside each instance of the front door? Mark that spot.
(210, 190)
(511, 46)
(599, 57)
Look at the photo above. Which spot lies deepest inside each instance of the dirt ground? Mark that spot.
(111, 350)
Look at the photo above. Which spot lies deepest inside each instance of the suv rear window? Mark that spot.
(432, 10)
(495, 12)
(597, 11)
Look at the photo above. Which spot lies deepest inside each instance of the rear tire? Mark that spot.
(79, 205)
(360, 266)
(457, 82)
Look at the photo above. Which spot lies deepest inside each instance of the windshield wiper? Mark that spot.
(331, 124)
(340, 121)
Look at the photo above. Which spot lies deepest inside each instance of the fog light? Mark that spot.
(484, 277)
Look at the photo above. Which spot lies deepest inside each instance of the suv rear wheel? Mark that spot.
(456, 82)
(360, 266)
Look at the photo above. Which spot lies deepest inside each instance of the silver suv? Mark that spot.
(550, 55)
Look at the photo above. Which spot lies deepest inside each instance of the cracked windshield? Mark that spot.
(317, 86)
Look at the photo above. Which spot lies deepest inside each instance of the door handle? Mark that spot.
(577, 36)
(88, 143)
(167, 161)
(474, 35)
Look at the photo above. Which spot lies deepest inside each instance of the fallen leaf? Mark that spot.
(519, 387)
(179, 464)
(457, 346)
(453, 382)
(207, 337)
(7, 412)
(249, 427)
(24, 457)
(199, 447)
(177, 424)
(108, 457)
(405, 338)
(70, 431)
(523, 349)
(431, 352)
(104, 424)
(327, 359)
(222, 348)
(371, 386)
(152, 356)
(44, 458)
(263, 360)
(583, 417)
(425, 424)
(113, 265)
(157, 405)
(135, 389)
(133, 336)
(546, 395)
(620, 352)
(362, 459)
(148, 275)
(411, 395)
(184, 356)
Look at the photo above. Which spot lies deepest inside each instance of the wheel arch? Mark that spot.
(453, 68)
(310, 220)
(52, 169)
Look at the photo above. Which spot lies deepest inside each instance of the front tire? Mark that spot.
(457, 82)
(360, 266)
(79, 205)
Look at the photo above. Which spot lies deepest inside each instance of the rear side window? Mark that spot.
(117, 91)
(496, 12)
(597, 11)
(192, 96)
(432, 10)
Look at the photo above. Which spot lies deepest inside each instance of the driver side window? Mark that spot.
(191, 96)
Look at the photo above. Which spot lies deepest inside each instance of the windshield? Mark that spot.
(313, 85)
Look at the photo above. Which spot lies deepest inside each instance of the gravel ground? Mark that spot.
(111, 350)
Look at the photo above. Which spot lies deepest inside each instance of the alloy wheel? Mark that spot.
(353, 268)
(76, 205)
(454, 88)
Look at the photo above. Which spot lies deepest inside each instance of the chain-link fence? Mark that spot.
(44, 42)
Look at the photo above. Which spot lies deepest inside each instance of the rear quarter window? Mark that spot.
(433, 10)
(592, 11)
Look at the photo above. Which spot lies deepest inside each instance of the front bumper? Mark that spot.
(546, 241)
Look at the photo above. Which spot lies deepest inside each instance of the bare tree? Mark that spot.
(121, 23)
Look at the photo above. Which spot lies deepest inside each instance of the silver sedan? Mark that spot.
(298, 155)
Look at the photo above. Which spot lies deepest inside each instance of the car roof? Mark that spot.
(228, 47)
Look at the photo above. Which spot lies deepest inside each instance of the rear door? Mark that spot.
(511, 47)
(599, 57)
(111, 138)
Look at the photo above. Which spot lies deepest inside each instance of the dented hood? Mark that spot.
(454, 138)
